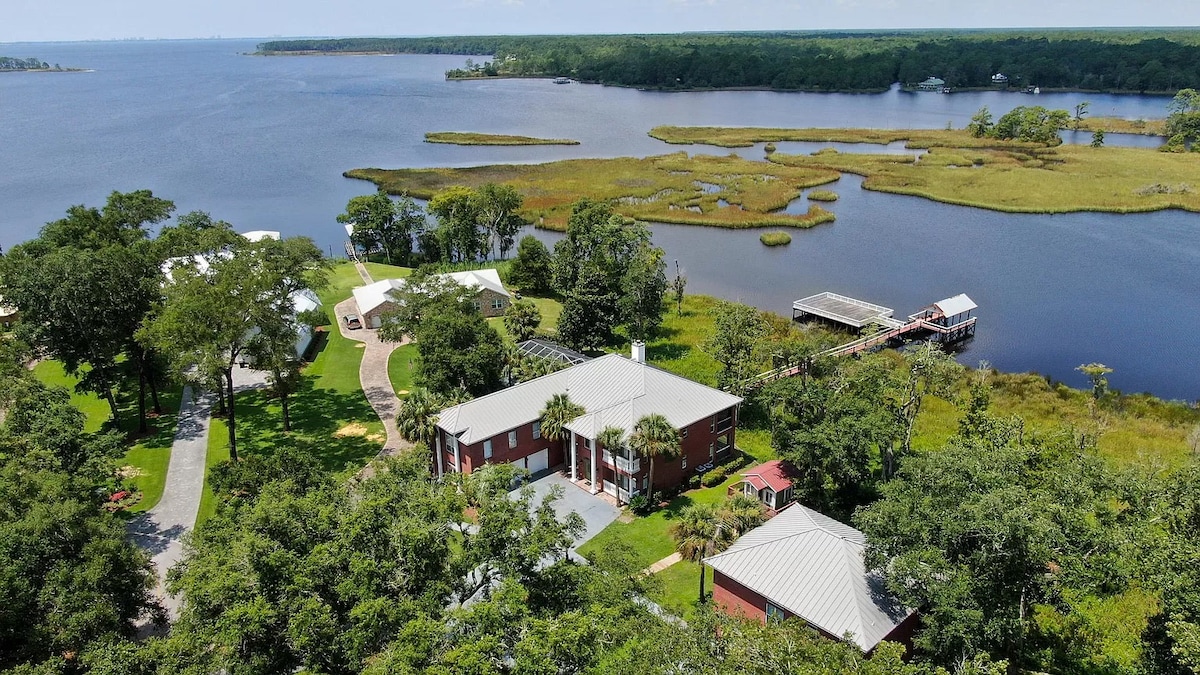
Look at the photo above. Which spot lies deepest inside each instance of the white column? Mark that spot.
(595, 487)
(457, 457)
(574, 460)
(438, 443)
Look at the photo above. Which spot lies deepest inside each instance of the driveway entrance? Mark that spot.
(597, 513)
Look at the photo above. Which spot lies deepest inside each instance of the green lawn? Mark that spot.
(330, 415)
(678, 588)
(401, 365)
(649, 535)
(145, 462)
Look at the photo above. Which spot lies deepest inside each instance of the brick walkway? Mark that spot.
(373, 375)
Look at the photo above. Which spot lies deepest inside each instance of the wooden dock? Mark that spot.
(945, 321)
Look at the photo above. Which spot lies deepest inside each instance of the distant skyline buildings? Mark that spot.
(69, 20)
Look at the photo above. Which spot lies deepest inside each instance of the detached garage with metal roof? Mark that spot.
(806, 565)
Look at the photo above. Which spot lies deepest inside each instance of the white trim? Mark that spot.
(574, 460)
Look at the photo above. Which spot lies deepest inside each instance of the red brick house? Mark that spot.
(806, 565)
(769, 483)
(615, 391)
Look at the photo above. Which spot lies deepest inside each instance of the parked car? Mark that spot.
(352, 321)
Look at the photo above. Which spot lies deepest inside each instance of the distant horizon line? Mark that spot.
(268, 38)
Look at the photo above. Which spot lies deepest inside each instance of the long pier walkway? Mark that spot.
(946, 321)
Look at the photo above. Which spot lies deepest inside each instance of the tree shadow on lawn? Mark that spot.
(317, 415)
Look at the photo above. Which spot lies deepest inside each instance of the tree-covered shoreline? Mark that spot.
(11, 64)
(1142, 61)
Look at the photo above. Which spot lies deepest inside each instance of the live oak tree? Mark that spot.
(237, 302)
(531, 269)
(738, 329)
(380, 222)
(458, 350)
(458, 231)
(423, 295)
(83, 286)
(70, 578)
(498, 205)
(609, 274)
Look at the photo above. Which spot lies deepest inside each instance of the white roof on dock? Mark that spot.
(842, 309)
(956, 305)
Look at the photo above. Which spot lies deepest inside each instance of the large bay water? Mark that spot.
(262, 143)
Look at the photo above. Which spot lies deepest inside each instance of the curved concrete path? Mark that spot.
(160, 530)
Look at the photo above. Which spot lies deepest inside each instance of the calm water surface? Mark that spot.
(262, 142)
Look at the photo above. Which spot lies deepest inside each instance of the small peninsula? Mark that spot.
(699, 190)
(470, 138)
(9, 64)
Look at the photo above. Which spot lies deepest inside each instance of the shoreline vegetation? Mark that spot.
(1118, 61)
(960, 169)
(775, 238)
(9, 64)
(702, 190)
(471, 138)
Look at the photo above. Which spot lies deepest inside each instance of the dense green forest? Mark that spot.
(1133, 61)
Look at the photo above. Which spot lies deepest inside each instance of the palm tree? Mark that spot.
(417, 418)
(695, 530)
(653, 436)
(559, 412)
(613, 440)
(703, 530)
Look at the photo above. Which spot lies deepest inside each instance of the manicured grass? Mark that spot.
(218, 451)
(94, 408)
(672, 188)
(775, 238)
(330, 401)
(649, 535)
(381, 271)
(469, 138)
(550, 309)
(145, 462)
(822, 196)
(678, 589)
(401, 366)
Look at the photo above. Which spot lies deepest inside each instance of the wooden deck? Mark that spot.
(842, 309)
(857, 314)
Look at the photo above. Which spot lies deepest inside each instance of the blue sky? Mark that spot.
(46, 20)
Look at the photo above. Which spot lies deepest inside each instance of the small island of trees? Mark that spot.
(11, 64)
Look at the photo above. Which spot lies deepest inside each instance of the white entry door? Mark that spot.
(538, 461)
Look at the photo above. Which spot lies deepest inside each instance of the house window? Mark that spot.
(711, 451)
(769, 497)
(537, 429)
(683, 433)
(645, 482)
(683, 462)
(476, 305)
(774, 613)
(497, 303)
(712, 424)
(487, 449)
(512, 439)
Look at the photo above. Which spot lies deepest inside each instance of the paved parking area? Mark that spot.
(596, 512)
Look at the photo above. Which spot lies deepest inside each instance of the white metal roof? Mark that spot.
(614, 390)
(956, 305)
(812, 566)
(373, 295)
(259, 235)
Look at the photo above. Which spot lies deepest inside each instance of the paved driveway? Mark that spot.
(596, 512)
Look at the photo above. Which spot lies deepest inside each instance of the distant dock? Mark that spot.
(946, 321)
